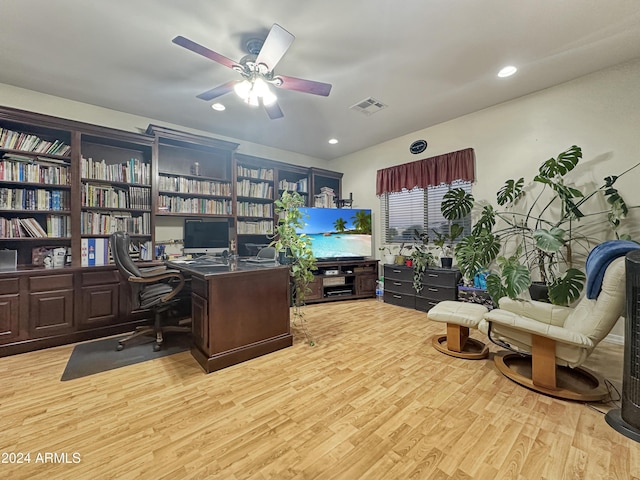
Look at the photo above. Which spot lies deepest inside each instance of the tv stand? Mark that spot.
(343, 280)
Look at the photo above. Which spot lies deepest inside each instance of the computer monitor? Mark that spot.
(206, 237)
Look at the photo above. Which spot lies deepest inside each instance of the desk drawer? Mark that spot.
(402, 300)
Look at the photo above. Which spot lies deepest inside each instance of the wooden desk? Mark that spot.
(240, 311)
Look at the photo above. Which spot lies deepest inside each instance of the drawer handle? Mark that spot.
(397, 271)
(435, 275)
(397, 296)
(397, 284)
(433, 289)
(433, 303)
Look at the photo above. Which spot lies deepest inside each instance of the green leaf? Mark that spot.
(549, 240)
(495, 289)
(486, 221)
(510, 191)
(456, 204)
(476, 252)
(516, 279)
(567, 288)
(565, 162)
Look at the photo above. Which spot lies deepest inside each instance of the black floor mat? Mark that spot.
(101, 355)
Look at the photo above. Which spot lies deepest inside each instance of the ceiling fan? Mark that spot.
(257, 73)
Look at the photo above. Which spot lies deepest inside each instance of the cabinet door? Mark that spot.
(9, 317)
(315, 288)
(50, 313)
(366, 285)
(99, 306)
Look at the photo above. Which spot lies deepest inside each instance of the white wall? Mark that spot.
(599, 112)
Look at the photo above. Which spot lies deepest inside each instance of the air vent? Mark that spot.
(368, 106)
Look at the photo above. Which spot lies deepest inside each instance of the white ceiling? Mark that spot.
(430, 61)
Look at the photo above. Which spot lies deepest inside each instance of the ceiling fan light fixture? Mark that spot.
(252, 91)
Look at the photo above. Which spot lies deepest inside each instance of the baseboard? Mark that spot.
(617, 339)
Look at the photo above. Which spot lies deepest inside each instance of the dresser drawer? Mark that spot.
(438, 293)
(425, 304)
(443, 277)
(403, 300)
(398, 272)
(399, 286)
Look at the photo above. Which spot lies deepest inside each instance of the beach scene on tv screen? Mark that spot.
(338, 232)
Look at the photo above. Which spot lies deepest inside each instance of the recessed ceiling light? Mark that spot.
(333, 141)
(507, 71)
(218, 107)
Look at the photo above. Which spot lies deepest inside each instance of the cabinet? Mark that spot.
(254, 196)
(343, 280)
(438, 284)
(398, 286)
(35, 186)
(193, 174)
(9, 309)
(115, 193)
(326, 187)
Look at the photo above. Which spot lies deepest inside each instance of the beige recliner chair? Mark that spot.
(556, 340)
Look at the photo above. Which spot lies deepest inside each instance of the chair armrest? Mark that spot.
(152, 270)
(153, 278)
(539, 311)
(534, 327)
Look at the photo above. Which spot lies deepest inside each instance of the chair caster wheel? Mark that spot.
(156, 347)
(119, 347)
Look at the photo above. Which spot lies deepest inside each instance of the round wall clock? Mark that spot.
(418, 146)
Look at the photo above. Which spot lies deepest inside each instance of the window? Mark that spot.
(417, 209)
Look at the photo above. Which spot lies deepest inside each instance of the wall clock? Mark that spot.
(418, 146)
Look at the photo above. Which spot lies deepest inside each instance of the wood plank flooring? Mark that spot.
(372, 400)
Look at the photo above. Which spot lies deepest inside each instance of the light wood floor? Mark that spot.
(372, 400)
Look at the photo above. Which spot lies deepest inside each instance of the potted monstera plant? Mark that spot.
(538, 239)
(295, 250)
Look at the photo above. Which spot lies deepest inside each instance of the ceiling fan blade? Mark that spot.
(301, 85)
(274, 111)
(219, 90)
(204, 51)
(275, 46)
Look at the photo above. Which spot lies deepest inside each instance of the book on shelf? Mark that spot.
(94, 252)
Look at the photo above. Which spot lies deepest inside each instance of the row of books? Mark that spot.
(18, 168)
(169, 204)
(12, 140)
(301, 185)
(261, 173)
(260, 227)
(191, 185)
(107, 196)
(57, 226)
(99, 223)
(133, 171)
(247, 188)
(34, 199)
(248, 209)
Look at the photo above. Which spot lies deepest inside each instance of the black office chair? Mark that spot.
(267, 253)
(153, 288)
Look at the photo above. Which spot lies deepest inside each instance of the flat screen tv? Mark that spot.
(338, 233)
(206, 237)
